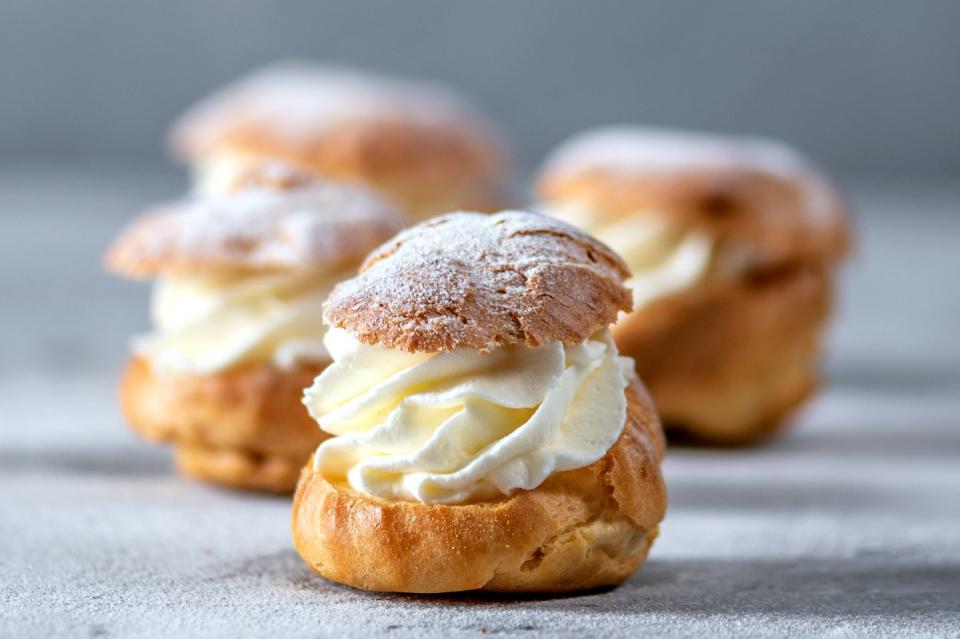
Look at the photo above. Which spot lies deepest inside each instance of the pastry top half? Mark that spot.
(241, 276)
(757, 195)
(418, 142)
(466, 280)
(472, 358)
(274, 218)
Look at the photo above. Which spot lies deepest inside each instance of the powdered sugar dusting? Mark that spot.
(302, 225)
(635, 148)
(298, 100)
(644, 150)
(469, 280)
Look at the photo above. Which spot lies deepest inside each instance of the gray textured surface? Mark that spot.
(850, 526)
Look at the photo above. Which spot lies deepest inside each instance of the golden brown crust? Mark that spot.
(245, 428)
(756, 193)
(580, 529)
(467, 280)
(422, 146)
(728, 362)
(238, 468)
(276, 220)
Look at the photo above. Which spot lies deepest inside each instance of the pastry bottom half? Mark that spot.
(729, 362)
(580, 529)
(244, 428)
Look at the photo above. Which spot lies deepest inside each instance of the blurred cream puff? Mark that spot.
(486, 434)
(240, 281)
(733, 245)
(421, 145)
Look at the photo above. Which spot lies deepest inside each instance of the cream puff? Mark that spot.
(240, 282)
(486, 434)
(419, 144)
(733, 245)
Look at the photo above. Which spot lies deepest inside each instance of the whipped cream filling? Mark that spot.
(662, 259)
(208, 324)
(462, 425)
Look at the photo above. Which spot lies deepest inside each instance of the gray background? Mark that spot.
(870, 88)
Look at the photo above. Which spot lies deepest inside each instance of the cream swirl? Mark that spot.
(205, 324)
(462, 425)
(662, 259)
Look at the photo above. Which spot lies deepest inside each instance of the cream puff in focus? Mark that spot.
(732, 244)
(237, 318)
(486, 433)
(421, 145)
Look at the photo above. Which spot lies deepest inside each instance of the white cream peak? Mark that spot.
(464, 425)
(662, 259)
(204, 325)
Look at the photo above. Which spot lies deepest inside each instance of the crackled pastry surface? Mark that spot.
(466, 280)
